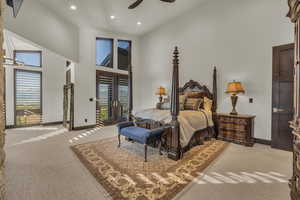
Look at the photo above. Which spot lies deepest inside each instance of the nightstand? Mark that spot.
(236, 128)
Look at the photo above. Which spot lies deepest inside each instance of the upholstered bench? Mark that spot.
(140, 135)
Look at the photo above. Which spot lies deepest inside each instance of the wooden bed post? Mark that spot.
(215, 102)
(2, 117)
(174, 152)
(130, 96)
(215, 91)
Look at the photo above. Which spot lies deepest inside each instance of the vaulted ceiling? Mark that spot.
(96, 13)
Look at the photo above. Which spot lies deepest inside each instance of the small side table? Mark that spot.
(236, 128)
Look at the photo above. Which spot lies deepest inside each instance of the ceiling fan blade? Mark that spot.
(135, 4)
(169, 1)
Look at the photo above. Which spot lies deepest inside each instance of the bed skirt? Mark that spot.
(197, 139)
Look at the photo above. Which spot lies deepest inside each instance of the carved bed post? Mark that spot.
(215, 101)
(2, 118)
(294, 15)
(215, 91)
(175, 141)
(130, 91)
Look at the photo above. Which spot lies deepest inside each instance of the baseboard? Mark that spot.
(23, 126)
(10, 126)
(52, 123)
(262, 141)
(78, 128)
(42, 124)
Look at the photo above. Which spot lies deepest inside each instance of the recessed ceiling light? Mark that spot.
(139, 23)
(112, 17)
(73, 7)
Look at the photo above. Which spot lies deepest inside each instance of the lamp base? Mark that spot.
(160, 99)
(233, 113)
(234, 99)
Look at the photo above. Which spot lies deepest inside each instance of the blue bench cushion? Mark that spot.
(122, 125)
(136, 133)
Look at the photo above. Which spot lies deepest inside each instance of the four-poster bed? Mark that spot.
(294, 15)
(175, 126)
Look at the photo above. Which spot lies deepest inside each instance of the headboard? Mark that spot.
(195, 86)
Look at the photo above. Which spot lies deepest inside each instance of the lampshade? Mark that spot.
(235, 88)
(160, 91)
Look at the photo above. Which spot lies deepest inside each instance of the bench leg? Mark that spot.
(119, 138)
(159, 147)
(145, 145)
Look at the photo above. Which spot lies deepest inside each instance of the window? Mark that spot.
(29, 58)
(124, 54)
(104, 52)
(28, 103)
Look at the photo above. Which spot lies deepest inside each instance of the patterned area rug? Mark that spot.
(125, 176)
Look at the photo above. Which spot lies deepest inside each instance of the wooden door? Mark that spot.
(282, 96)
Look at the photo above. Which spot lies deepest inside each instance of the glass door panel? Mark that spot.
(112, 98)
(104, 105)
(122, 97)
(28, 107)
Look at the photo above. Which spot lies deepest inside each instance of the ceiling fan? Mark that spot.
(138, 2)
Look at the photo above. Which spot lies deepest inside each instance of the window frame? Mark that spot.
(29, 51)
(112, 53)
(130, 53)
(15, 96)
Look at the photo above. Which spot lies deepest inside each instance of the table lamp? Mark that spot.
(160, 92)
(234, 88)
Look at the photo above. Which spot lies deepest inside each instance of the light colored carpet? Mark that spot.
(46, 168)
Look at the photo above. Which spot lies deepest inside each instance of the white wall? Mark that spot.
(45, 28)
(235, 35)
(53, 79)
(85, 72)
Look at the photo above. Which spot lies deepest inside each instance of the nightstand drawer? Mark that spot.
(235, 127)
(232, 134)
(232, 120)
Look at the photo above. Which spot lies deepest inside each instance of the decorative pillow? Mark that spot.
(201, 103)
(192, 104)
(207, 104)
(182, 100)
(193, 94)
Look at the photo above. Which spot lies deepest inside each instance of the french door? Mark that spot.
(112, 97)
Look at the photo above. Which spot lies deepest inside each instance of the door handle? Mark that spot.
(276, 110)
(115, 103)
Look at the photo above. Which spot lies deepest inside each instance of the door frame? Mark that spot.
(275, 63)
(68, 88)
